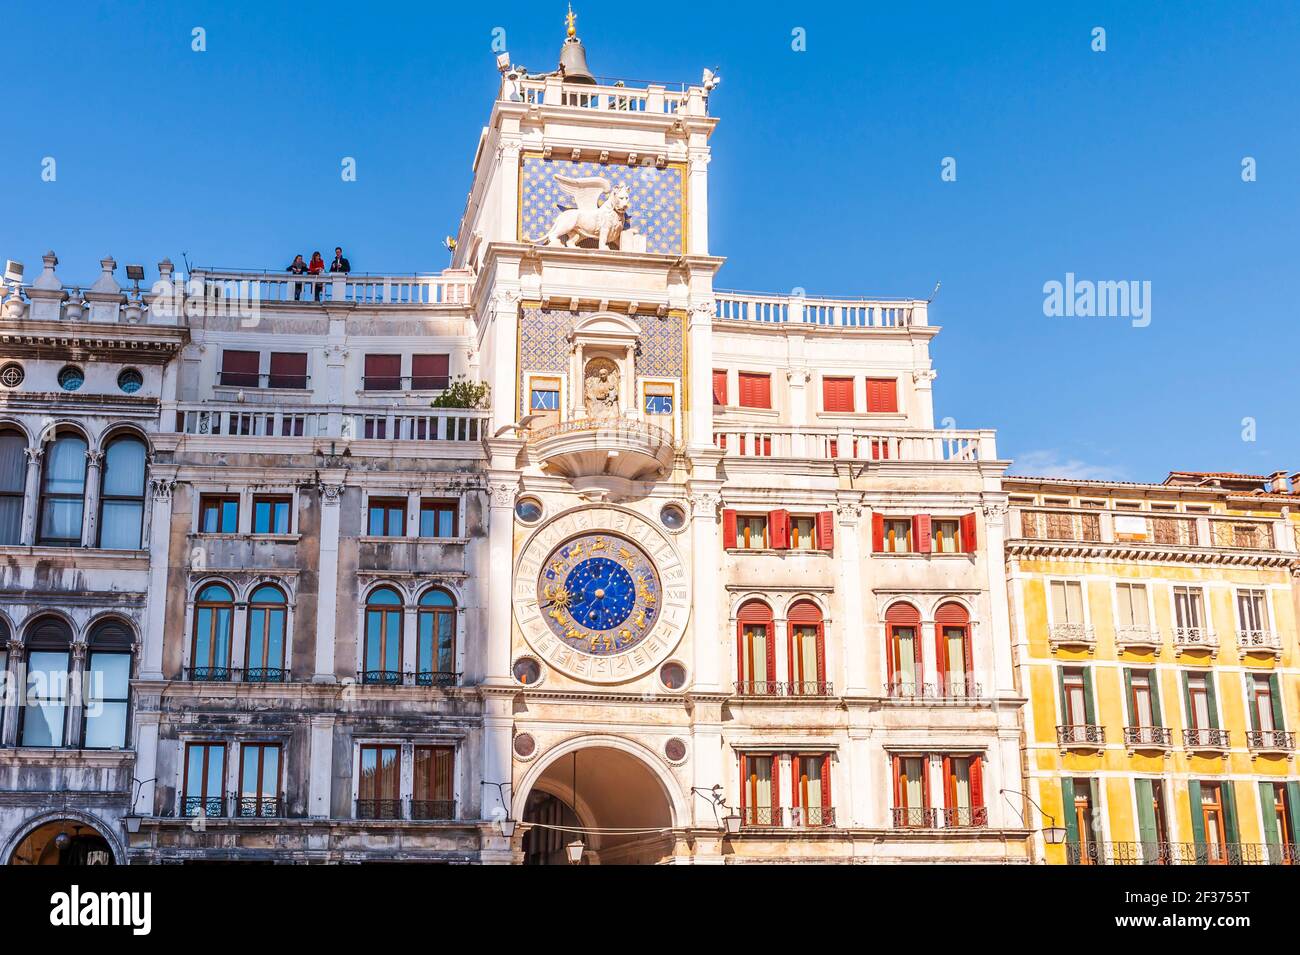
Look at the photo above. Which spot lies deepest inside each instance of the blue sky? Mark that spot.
(1118, 165)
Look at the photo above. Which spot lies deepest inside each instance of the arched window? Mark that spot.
(953, 651)
(267, 612)
(903, 638)
(13, 484)
(121, 502)
(214, 618)
(63, 491)
(49, 640)
(383, 652)
(755, 649)
(807, 647)
(108, 684)
(435, 656)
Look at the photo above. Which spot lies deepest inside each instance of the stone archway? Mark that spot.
(67, 838)
(624, 802)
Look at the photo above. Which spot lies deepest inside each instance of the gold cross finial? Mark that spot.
(571, 19)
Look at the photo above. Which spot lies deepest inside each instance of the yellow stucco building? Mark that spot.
(1154, 628)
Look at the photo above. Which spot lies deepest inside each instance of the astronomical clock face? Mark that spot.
(601, 594)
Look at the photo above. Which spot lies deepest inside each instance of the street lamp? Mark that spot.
(574, 850)
(730, 823)
(1053, 834)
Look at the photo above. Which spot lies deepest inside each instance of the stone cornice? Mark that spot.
(1155, 553)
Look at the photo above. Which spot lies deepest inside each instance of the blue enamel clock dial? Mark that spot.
(599, 593)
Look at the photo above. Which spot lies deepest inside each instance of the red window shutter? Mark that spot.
(977, 782)
(921, 533)
(719, 387)
(835, 448)
(837, 394)
(383, 373)
(948, 784)
(826, 530)
(778, 529)
(430, 372)
(878, 533)
(826, 780)
(968, 533)
(239, 368)
(755, 390)
(728, 528)
(882, 395)
(288, 370)
(898, 783)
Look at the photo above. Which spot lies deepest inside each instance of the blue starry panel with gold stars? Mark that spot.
(657, 209)
(599, 593)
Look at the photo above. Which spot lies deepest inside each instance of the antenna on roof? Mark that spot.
(934, 294)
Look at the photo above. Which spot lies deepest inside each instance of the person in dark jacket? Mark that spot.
(297, 267)
(340, 264)
(317, 267)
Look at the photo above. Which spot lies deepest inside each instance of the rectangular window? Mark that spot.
(259, 780)
(1076, 697)
(1140, 698)
(387, 517)
(107, 688)
(946, 536)
(812, 788)
(1187, 608)
(239, 369)
(382, 373)
(1261, 702)
(218, 514)
(719, 387)
(1131, 600)
(1252, 611)
(379, 786)
(1199, 713)
(898, 536)
(837, 394)
(882, 395)
(438, 518)
(803, 532)
(758, 803)
(1067, 602)
(912, 792)
(963, 795)
(1083, 810)
(755, 390)
(433, 795)
(1212, 819)
(430, 372)
(271, 514)
(288, 370)
(751, 531)
(205, 780)
(46, 705)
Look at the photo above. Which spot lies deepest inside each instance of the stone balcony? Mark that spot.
(1137, 638)
(621, 447)
(1195, 638)
(1260, 641)
(1074, 636)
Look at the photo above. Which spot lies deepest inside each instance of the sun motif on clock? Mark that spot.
(599, 593)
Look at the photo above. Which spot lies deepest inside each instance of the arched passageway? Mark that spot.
(62, 842)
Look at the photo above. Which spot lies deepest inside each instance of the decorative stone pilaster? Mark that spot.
(331, 494)
(708, 638)
(849, 520)
(31, 494)
(90, 513)
(160, 514)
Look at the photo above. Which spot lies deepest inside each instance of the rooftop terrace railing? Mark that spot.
(734, 306)
(229, 419)
(945, 444)
(652, 98)
(354, 288)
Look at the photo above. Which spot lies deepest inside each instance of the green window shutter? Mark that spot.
(1146, 818)
(1067, 802)
(1198, 821)
(1293, 804)
(1276, 694)
(1269, 812)
(1230, 810)
(1088, 708)
(1065, 700)
(1212, 700)
(1094, 812)
(1128, 697)
(1187, 699)
(1251, 705)
(1155, 698)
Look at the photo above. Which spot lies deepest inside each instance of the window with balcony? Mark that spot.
(812, 790)
(1280, 805)
(13, 485)
(379, 794)
(435, 653)
(912, 793)
(240, 369)
(382, 373)
(430, 372)
(433, 795)
(204, 790)
(1153, 822)
(259, 781)
(956, 666)
(755, 650)
(121, 498)
(755, 390)
(438, 518)
(214, 615)
(1252, 620)
(758, 791)
(387, 517)
(48, 647)
(1190, 631)
(108, 686)
(267, 616)
(1267, 726)
(288, 370)
(218, 514)
(1146, 726)
(807, 649)
(903, 641)
(1214, 822)
(1132, 621)
(1078, 714)
(1202, 712)
(271, 514)
(63, 491)
(882, 395)
(837, 395)
(1079, 797)
(963, 780)
(382, 654)
(719, 387)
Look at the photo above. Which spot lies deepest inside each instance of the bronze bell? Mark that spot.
(573, 62)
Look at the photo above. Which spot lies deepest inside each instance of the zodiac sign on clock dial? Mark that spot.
(599, 593)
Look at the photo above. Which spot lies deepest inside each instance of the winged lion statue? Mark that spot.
(592, 219)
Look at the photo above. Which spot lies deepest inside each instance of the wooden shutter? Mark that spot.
(921, 533)
(837, 394)
(1153, 685)
(1198, 818)
(1267, 805)
(755, 390)
(878, 533)
(430, 372)
(1089, 707)
(953, 615)
(288, 370)
(239, 368)
(1276, 699)
(1065, 696)
(719, 387)
(383, 373)
(882, 395)
(1228, 794)
(826, 530)
(778, 529)
(1147, 832)
(728, 528)
(968, 533)
(1128, 697)
(1211, 701)
(977, 782)
(1067, 810)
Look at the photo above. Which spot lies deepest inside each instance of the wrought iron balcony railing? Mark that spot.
(259, 807)
(1206, 738)
(1270, 741)
(913, 818)
(1148, 737)
(783, 689)
(430, 809)
(1081, 736)
(212, 807)
(227, 674)
(439, 678)
(379, 809)
(970, 817)
(943, 690)
(1181, 853)
(764, 816)
(415, 810)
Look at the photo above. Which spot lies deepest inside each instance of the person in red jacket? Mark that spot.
(316, 267)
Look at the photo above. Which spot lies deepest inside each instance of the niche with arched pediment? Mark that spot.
(602, 369)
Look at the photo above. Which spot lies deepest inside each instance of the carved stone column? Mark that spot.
(13, 686)
(90, 511)
(76, 695)
(331, 493)
(923, 380)
(32, 495)
(160, 490)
